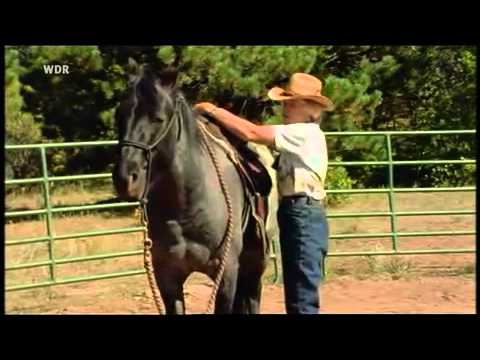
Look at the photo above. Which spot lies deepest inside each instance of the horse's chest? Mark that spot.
(176, 244)
(171, 240)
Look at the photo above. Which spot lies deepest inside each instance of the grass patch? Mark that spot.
(468, 270)
(393, 265)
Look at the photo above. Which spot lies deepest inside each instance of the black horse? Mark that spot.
(163, 156)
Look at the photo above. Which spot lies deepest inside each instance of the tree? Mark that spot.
(237, 76)
(433, 89)
(354, 88)
(70, 107)
(20, 127)
(373, 88)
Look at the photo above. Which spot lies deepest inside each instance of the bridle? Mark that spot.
(148, 149)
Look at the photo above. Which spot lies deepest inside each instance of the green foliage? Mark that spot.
(355, 107)
(20, 128)
(373, 88)
(435, 89)
(166, 54)
(338, 179)
(238, 76)
(414, 88)
(71, 107)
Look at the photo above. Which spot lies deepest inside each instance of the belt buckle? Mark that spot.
(312, 201)
(293, 199)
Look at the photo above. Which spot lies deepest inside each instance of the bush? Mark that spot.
(338, 179)
(20, 128)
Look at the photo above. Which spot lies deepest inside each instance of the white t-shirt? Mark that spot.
(303, 162)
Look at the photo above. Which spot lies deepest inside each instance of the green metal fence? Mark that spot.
(391, 190)
(50, 238)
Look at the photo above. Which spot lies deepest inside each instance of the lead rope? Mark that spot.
(147, 262)
(228, 239)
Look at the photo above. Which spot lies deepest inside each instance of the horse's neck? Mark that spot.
(190, 159)
(183, 183)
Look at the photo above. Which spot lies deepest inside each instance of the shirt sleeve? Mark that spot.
(290, 138)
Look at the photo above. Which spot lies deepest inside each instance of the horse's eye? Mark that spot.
(159, 119)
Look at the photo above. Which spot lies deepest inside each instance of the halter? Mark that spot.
(148, 148)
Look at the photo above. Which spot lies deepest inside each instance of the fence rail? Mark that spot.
(50, 238)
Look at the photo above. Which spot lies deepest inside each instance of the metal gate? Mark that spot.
(51, 238)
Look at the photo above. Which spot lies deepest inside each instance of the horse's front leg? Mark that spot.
(226, 291)
(170, 283)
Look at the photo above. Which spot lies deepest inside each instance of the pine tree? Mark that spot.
(20, 128)
(373, 88)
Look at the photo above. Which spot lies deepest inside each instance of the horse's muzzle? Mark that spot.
(128, 185)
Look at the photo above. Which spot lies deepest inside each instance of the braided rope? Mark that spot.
(228, 238)
(228, 150)
(148, 264)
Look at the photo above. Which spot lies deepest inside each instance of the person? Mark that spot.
(301, 172)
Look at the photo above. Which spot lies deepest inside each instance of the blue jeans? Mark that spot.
(304, 236)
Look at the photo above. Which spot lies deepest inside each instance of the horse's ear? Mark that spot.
(169, 74)
(132, 62)
(133, 68)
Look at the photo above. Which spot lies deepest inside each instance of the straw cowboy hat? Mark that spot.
(302, 86)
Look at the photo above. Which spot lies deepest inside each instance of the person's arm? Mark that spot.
(244, 129)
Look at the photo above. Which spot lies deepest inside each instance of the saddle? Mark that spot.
(255, 177)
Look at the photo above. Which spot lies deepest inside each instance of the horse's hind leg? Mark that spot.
(252, 266)
(249, 288)
(226, 290)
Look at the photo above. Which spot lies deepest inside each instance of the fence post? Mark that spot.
(391, 194)
(275, 253)
(48, 207)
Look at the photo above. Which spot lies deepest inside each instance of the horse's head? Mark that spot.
(147, 132)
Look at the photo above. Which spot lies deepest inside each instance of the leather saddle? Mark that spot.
(254, 175)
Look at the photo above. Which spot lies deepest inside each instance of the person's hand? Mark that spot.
(205, 107)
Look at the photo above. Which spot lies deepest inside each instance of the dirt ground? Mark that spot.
(418, 284)
(340, 295)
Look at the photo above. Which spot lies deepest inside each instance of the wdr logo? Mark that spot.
(55, 69)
